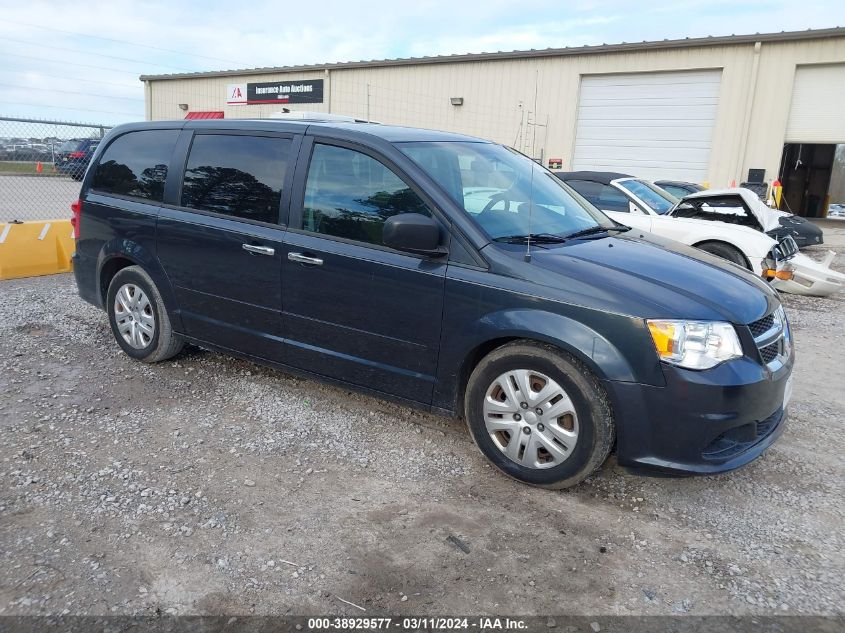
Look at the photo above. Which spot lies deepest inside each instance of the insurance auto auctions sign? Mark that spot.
(310, 91)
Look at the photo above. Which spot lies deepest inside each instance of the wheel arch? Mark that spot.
(586, 345)
(109, 268)
(120, 254)
(731, 245)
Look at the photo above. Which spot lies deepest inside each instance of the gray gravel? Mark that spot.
(212, 485)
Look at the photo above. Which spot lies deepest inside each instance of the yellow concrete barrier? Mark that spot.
(28, 249)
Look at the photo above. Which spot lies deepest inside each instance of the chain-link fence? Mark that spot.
(41, 164)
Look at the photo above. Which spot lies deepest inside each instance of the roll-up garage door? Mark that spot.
(817, 113)
(651, 125)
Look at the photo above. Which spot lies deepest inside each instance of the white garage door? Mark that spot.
(817, 114)
(651, 125)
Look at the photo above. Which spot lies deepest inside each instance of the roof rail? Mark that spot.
(304, 115)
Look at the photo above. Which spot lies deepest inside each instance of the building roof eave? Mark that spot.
(723, 40)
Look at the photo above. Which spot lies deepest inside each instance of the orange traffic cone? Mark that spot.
(733, 183)
(39, 167)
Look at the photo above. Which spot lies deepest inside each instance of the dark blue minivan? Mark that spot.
(442, 271)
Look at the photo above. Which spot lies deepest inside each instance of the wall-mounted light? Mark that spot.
(183, 106)
(456, 101)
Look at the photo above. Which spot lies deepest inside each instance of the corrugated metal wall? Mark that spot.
(532, 103)
(817, 113)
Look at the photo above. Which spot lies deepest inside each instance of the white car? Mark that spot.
(642, 205)
(742, 206)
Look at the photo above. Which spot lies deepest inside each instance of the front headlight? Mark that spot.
(694, 344)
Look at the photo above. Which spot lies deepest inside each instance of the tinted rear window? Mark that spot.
(236, 175)
(135, 164)
(69, 146)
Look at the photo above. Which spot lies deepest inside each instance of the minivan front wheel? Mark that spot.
(539, 415)
(138, 317)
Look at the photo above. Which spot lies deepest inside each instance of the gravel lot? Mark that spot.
(36, 197)
(213, 486)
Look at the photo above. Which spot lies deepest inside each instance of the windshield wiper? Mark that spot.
(598, 229)
(539, 238)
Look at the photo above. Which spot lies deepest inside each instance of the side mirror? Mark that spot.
(413, 233)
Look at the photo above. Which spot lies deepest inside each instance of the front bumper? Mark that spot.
(809, 277)
(700, 422)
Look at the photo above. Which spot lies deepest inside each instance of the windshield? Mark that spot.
(506, 193)
(657, 199)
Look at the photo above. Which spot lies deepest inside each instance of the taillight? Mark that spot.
(76, 155)
(76, 208)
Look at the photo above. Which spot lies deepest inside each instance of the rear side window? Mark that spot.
(590, 190)
(135, 164)
(611, 199)
(349, 194)
(236, 175)
(601, 196)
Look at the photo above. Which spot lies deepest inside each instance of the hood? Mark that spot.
(652, 277)
(768, 217)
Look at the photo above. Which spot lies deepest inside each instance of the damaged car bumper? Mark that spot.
(802, 275)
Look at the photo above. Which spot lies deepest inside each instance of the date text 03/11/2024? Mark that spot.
(417, 623)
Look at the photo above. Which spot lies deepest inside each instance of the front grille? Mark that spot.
(771, 336)
(762, 326)
(770, 352)
(741, 438)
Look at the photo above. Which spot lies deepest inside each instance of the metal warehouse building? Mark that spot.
(703, 110)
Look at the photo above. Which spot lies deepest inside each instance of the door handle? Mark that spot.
(259, 250)
(304, 259)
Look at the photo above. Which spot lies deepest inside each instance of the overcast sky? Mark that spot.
(80, 60)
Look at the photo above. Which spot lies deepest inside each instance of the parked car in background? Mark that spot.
(15, 151)
(39, 152)
(836, 211)
(743, 206)
(613, 191)
(679, 188)
(347, 252)
(74, 155)
(643, 205)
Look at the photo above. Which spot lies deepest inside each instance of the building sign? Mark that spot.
(310, 91)
(555, 163)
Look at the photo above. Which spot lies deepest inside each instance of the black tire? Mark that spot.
(597, 430)
(164, 343)
(725, 251)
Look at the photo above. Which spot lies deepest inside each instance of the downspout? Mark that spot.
(328, 91)
(148, 101)
(749, 107)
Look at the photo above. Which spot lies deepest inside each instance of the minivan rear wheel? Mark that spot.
(138, 317)
(539, 415)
